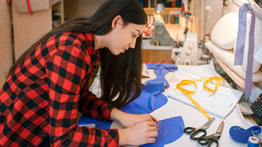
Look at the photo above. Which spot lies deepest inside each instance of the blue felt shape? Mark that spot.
(241, 135)
(169, 131)
(160, 70)
(146, 103)
(254, 129)
(151, 97)
(156, 66)
(86, 120)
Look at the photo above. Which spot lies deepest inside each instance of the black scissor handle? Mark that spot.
(203, 140)
(213, 141)
(209, 141)
(189, 130)
(197, 134)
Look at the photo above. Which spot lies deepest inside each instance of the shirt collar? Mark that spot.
(94, 54)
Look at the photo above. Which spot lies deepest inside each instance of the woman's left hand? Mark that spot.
(131, 119)
(127, 119)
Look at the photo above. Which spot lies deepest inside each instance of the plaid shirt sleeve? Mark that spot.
(66, 71)
(100, 109)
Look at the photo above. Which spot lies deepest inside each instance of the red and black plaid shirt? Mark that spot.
(40, 100)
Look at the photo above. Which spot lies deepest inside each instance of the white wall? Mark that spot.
(5, 40)
(81, 8)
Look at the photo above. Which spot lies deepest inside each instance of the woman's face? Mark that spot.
(123, 37)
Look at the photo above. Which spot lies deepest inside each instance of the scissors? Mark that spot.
(194, 132)
(209, 140)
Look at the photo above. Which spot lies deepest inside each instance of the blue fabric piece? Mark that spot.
(169, 130)
(86, 120)
(160, 82)
(240, 46)
(146, 103)
(150, 100)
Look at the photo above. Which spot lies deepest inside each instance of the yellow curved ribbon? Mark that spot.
(190, 92)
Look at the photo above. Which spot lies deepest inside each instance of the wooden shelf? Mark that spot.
(149, 55)
(57, 12)
(170, 15)
(167, 11)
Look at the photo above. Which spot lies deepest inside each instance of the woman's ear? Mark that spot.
(117, 20)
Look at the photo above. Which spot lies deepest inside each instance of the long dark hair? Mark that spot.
(120, 75)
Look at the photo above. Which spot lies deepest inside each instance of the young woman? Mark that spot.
(49, 83)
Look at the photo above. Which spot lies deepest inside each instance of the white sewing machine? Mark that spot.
(161, 36)
(189, 54)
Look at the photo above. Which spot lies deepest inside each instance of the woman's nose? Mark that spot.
(132, 44)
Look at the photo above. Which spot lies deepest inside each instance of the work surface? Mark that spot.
(191, 116)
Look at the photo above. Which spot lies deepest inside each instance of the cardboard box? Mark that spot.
(20, 6)
(27, 29)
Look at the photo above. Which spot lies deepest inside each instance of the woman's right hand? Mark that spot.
(138, 134)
